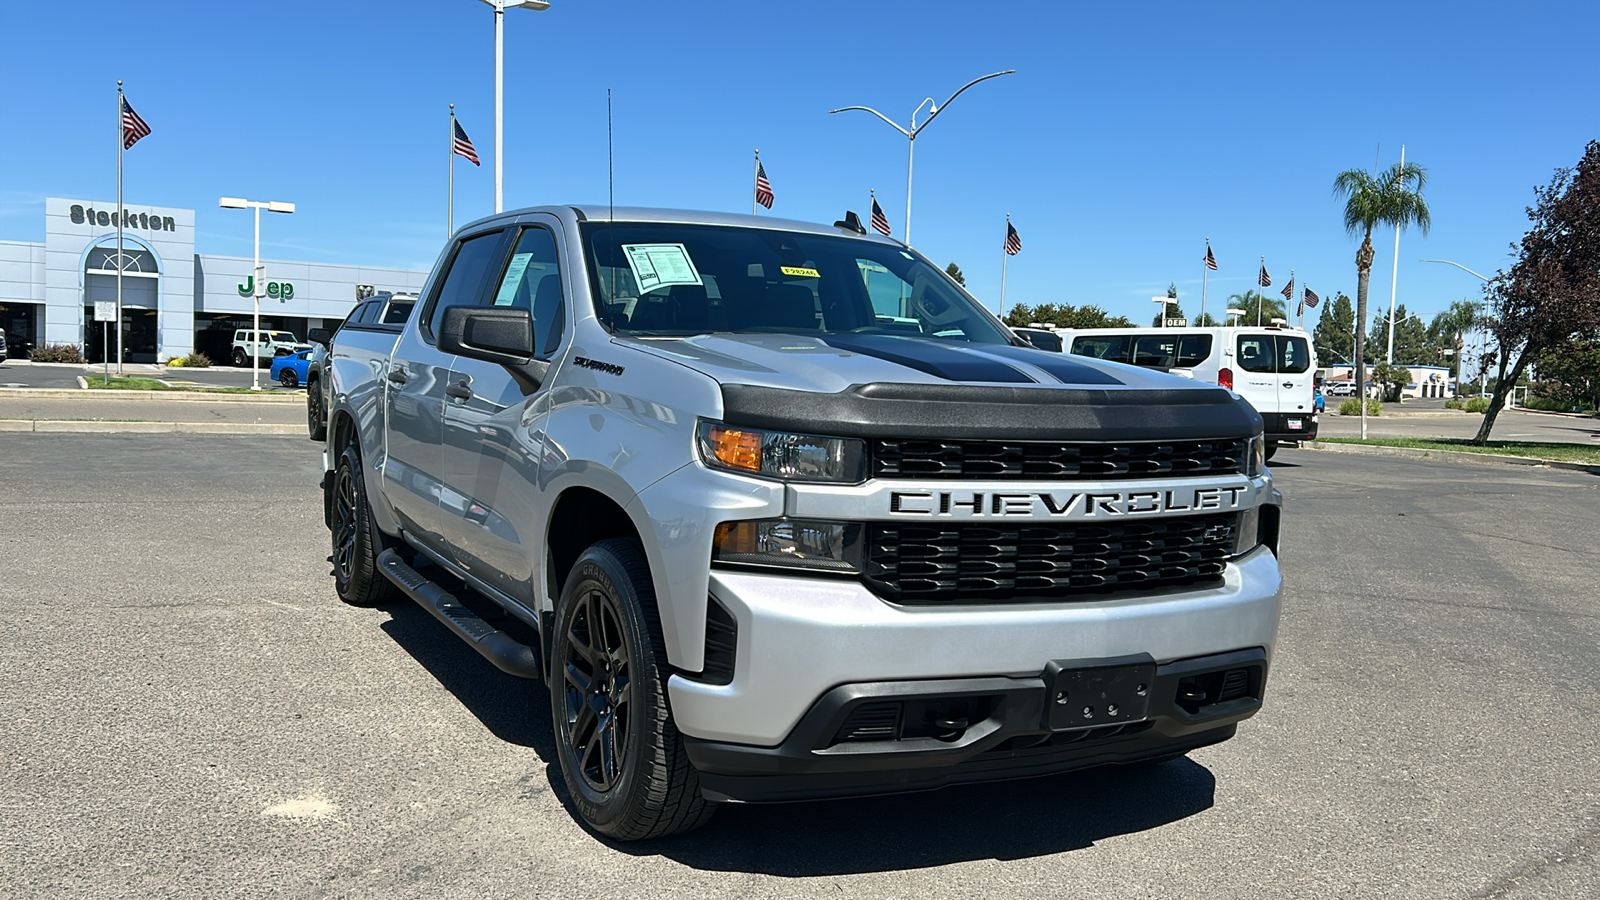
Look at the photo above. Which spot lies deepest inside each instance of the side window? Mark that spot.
(398, 312)
(1113, 347)
(1193, 350)
(1256, 353)
(532, 281)
(473, 259)
(363, 316)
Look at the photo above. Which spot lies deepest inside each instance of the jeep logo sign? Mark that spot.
(282, 290)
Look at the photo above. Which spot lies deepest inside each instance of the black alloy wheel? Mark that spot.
(288, 379)
(355, 540)
(315, 426)
(621, 756)
(596, 675)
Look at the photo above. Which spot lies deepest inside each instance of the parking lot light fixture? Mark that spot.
(277, 206)
(915, 129)
(1234, 314)
(500, 7)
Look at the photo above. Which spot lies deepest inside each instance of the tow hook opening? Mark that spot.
(945, 719)
(1195, 693)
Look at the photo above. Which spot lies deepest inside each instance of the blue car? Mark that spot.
(1318, 403)
(291, 370)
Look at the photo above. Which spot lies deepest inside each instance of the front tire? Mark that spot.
(621, 755)
(355, 539)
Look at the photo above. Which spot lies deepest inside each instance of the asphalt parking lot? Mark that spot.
(191, 712)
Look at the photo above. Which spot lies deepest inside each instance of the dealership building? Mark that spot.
(174, 300)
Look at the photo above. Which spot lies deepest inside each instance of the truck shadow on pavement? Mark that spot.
(1002, 820)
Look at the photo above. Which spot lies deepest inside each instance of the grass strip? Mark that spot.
(1578, 453)
(136, 383)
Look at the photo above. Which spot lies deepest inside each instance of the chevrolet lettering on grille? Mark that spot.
(1063, 504)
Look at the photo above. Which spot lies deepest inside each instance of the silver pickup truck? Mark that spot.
(777, 511)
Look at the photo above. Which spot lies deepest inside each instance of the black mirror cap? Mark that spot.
(496, 334)
(318, 336)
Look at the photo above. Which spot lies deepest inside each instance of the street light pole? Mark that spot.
(1484, 348)
(256, 288)
(500, 7)
(915, 129)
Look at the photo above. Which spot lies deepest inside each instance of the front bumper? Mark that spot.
(800, 637)
(1000, 732)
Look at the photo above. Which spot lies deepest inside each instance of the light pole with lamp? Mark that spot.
(255, 274)
(1485, 347)
(500, 7)
(1163, 301)
(914, 130)
(1234, 314)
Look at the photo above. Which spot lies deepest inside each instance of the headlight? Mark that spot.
(776, 454)
(790, 543)
(1255, 456)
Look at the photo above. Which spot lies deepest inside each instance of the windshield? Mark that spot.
(665, 280)
(280, 336)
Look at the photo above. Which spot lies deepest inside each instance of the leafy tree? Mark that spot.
(1411, 344)
(1393, 378)
(1448, 331)
(1551, 295)
(1206, 320)
(1333, 335)
(1064, 316)
(1569, 374)
(1169, 310)
(954, 271)
(1258, 307)
(1391, 198)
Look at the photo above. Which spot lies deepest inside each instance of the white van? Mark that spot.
(1273, 368)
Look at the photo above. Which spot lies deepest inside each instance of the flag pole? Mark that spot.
(1004, 259)
(450, 197)
(1205, 270)
(755, 171)
(1261, 292)
(119, 229)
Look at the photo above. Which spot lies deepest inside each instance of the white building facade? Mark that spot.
(174, 300)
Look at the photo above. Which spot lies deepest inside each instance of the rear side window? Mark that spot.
(1280, 353)
(1182, 351)
(365, 314)
(398, 312)
(463, 283)
(1113, 347)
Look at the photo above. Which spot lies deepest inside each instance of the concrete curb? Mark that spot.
(197, 396)
(1455, 456)
(64, 426)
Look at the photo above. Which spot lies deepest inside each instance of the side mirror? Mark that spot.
(318, 336)
(497, 334)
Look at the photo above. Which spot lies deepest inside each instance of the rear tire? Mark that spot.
(316, 426)
(240, 360)
(621, 755)
(356, 543)
(288, 378)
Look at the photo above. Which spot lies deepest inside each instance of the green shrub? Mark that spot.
(1455, 404)
(1352, 407)
(195, 360)
(1478, 405)
(57, 353)
(1548, 404)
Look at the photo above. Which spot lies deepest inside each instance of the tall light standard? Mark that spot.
(915, 129)
(1482, 370)
(1235, 314)
(1163, 301)
(500, 7)
(255, 274)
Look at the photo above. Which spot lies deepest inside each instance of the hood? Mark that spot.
(879, 385)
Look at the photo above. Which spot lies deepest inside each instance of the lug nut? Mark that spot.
(1061, 697)
(1088, 712)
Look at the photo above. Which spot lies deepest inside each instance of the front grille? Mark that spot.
(1008, 460)
(979, 562)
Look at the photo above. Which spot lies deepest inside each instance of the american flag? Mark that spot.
(880, 222)
(1265, 280)
(1300, 311)
(133, 127)
(1288, 289)
(1311, 299)
(763, 186)
(1013, 240)
(1211, 261)
(462, 144)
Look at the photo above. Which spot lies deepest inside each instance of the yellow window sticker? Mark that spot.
(796, 270)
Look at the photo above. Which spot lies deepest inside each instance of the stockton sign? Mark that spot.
(281, 290)
(108, 218)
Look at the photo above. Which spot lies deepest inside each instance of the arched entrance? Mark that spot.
(141, 295)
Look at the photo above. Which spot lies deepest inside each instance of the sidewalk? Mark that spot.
(150, 412)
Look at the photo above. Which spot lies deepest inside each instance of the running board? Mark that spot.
(508, 654)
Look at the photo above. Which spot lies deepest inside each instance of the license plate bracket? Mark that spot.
(1296, 424)
(1095, 693)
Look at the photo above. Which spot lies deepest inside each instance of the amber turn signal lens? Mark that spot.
(737, 449)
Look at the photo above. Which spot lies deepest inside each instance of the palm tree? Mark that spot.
(1248, 301)
(1455, 322)
(1391, 198)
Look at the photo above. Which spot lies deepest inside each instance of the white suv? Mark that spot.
(271, 344)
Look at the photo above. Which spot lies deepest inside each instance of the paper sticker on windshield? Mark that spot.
(796, 270)
(659, 265)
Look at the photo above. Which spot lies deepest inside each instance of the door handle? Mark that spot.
(398, 376)
(1288, 384)
(459, 391)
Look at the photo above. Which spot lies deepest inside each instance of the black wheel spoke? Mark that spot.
(578, 680)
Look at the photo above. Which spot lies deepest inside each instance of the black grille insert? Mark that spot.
(925, 564)
(1045, 460)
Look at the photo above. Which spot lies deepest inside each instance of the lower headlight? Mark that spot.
(790, 544)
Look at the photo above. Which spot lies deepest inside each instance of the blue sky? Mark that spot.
(1130, 133)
